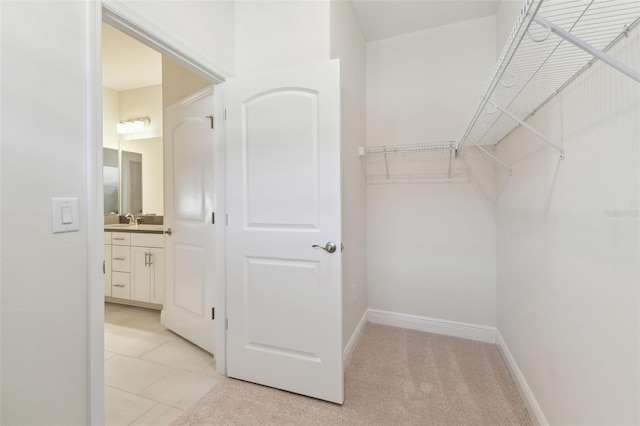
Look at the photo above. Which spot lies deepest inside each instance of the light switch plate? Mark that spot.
(66, 217)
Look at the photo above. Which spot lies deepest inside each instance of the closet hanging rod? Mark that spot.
(576, 41)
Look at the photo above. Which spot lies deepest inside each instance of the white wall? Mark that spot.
(204, 26)
(348, 44)
(279, 34)
(44, 276)
(568, 245)
(431, 246)
(110, 116)
(43, 155)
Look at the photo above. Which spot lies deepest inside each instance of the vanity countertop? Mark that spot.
(142, 228)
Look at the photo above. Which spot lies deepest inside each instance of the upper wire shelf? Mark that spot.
(541, 58)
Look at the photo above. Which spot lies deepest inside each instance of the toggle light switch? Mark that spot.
(65, 214)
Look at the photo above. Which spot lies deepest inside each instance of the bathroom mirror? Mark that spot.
(133, 177)
(111, 180)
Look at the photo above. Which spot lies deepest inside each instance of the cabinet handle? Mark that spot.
(118, 285)
(119, 258)
(150, 258)
(146, 259)
(118, 238)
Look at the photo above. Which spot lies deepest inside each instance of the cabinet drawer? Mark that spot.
(121, 285)
(147, 240)
(107, 237)
(121, 258)
(121, 238)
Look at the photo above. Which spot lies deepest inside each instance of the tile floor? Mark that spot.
(151, 374)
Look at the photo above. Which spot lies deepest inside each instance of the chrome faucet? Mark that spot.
(132, 219)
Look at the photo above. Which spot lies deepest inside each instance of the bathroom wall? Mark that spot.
(179, 82)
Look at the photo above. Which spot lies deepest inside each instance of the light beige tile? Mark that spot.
(109, 355)
(210, 370)
(114, 313)
(128, 341)
(144, 322)
(122, 408)
(160, 415)
(182, 355)
(132, 374)
(180, 389)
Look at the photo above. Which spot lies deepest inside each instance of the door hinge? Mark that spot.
(226, 323)
(213, 313)
(225, 113)
(210, 117)
(226, 219)
(213, 218)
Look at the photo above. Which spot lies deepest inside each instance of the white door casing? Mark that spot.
(284, 297)
(189, 204)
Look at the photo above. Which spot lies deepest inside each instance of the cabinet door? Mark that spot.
(107, 269)
(140, 274)
(157, 275)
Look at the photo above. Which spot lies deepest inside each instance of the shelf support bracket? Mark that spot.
(529, 128)
(450, 161)
(386, 163)
(588, 48)
(493, 157)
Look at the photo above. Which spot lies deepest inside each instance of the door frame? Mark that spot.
(123, 18)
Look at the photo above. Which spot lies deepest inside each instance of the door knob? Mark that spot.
(329, 247)
(168, 231)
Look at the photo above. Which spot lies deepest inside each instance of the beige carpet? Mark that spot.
(396, 377)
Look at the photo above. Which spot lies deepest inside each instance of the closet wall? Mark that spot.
(348, 44)
(431, 246)
(568, 248)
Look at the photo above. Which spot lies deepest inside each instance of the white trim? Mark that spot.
(220, 296)
(525, 391)
(94, 212)
(464, 330)
(353, 341)
(120, 16)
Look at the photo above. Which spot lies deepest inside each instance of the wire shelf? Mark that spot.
(534, 67)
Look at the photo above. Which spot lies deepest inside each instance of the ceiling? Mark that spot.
(381, 19)
(127, 63)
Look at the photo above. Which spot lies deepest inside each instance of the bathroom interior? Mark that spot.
(146, 364)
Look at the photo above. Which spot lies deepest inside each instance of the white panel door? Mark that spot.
(189, 202)
(284, 297)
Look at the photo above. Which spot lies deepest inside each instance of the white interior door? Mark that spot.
(284, 297)
(189, 204)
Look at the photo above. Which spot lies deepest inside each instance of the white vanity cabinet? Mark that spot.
(134, 268)
(147, 268)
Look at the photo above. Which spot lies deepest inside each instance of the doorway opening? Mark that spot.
(151, 372)
(134, 173)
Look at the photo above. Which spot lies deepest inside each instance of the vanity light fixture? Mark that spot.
(133, 125)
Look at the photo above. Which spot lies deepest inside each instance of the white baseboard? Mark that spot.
(351, 344)
(521, 383)
(464, 330)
